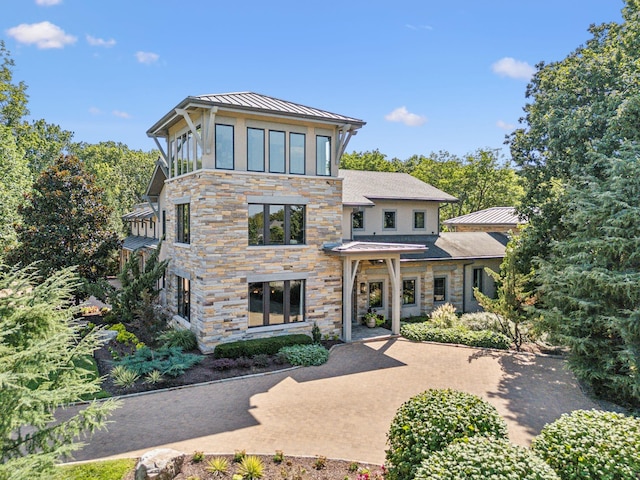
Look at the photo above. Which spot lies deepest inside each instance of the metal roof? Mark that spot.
(139, 214)
(488, 216)
(254, 102)
(361, 187)
(135, 242)
(375, 247)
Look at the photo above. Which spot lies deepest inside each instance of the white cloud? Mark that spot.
(100, 42)
(147, 57)
(505, 125)
(418, 27)
(48, 3)
(401, 114)
(95, 111)
(44, 34)
(510, 67)
(121, 114)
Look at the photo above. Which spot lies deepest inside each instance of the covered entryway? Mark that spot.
(352, 254)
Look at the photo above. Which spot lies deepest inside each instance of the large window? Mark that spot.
(375, 295)
(276, 152)
(419, 220)
(255, 149)
(297, 153)
(183, 223)
(409, 292)
(357, 220)
(478, 279)
(284, 226)
(389, 220)
(323, 155)
(224, 146)
(439, 289)
(276, 303)
(185, 154)
(184, 297)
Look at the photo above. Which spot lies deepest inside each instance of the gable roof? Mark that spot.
(488, 216)
(252, 102)
(361, 187)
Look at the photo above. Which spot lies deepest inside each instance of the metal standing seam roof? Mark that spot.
(135, 242)
(361, 187)
(488, 216)
(375, 247)
(139, 214)
(256, 102)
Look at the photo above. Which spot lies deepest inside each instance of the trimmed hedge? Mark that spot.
(267, 346)
(591, 444)
(430, 421)
(423, 332)
(479, 458)
(305, 355)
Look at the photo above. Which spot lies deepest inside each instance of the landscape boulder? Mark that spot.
(159, 464)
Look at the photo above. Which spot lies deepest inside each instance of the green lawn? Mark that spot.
(103, 470)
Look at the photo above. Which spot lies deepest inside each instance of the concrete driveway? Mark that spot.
(342, 409)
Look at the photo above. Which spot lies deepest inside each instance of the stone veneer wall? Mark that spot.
(219, 261)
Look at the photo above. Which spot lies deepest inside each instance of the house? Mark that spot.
(143, 233)
(266, 236)
(495, 219)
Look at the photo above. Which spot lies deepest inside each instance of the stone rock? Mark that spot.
(159, 464)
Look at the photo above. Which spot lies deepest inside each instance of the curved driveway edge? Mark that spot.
(341, 409)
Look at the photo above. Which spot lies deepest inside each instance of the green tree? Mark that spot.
(13, 96)
(65, 223)
(373, 161)
(43, 362)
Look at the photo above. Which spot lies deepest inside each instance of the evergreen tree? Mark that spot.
(43, 366)
(65, 223)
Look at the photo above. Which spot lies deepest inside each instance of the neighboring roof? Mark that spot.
(361, 187)
(255, 102)
(488, 216)
(374, 247)
(135, 242)
(139, 214)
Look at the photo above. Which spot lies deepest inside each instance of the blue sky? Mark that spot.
(425, 75)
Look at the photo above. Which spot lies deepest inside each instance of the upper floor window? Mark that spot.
(276, 152)
(285, 224)
(185, 154)
(478, 279)
(419, 220)
(357, 220)
(276, 303)
(183, 223)
(389, 220)
(297, 153)
(224, 146)
(255, 149)
(323, 155)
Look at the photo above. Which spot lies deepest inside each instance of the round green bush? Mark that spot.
(591, 444)
(479, 458)
(305, 355)
(433, 419)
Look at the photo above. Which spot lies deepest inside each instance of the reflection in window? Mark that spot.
(439, 289)
(224, 147)
(323, 155)
(375, 295)
(418, 220)
(409, 292)
(357, 220)
(183, 223)
(285, 226)
(276, 152)
(276, 303)
(255, 149)
(296, 153)
(389, 220)
(276, 224)
(478, 279)
(184, 297)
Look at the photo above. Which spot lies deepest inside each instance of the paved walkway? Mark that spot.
(342, 409)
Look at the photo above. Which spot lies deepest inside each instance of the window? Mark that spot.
(409, 292)
(297, 153)
(224, 146)
(198, 157)
(419, 220)
(164, 223)
(183, 223)
(276, 152)
(323, 155)
(357, 220)
(184, 297)
(276, 303)
(375, 295)
(285, 225)
(255, 149)
(389, 220)
(439, 289)
(478, 279)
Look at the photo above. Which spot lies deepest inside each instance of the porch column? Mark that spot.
(348, 276)
(393, 266)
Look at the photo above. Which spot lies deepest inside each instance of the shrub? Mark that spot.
(305, 355)
(261, 360)
(123, 377)
(197, 457)
(477, 321)
(444, 316)
(479, 458)
(278, 457)
(415, 319)
(167, 360)
(239, 455)
(251, 467)
(430, 421)
(591, 444)
(223, 364)
(178, 337)
(153, 377)
(315, 333)
(251, 348)
(217, 466)
(124, 336)
(423, 332)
